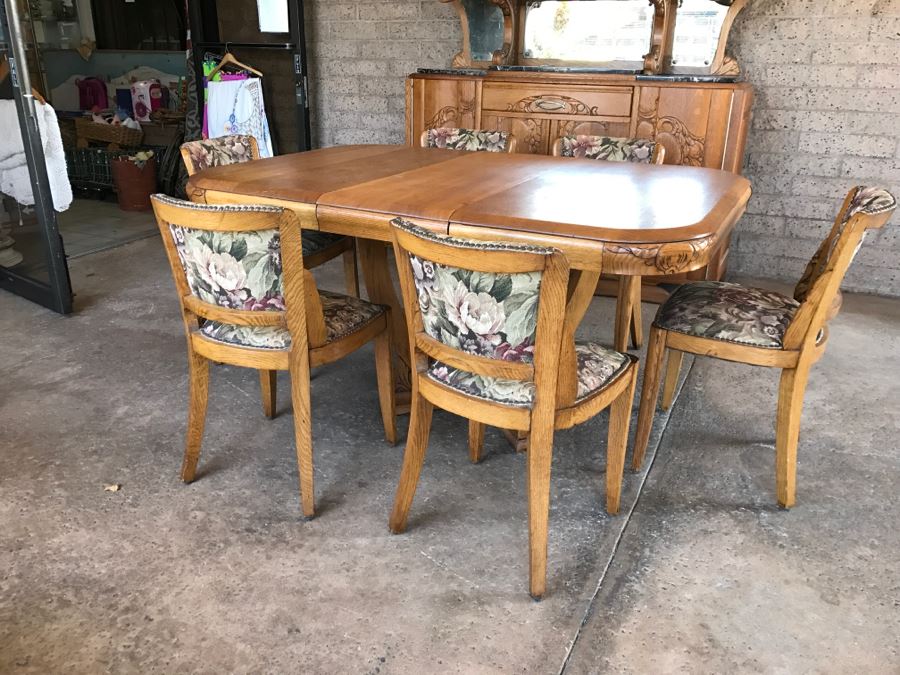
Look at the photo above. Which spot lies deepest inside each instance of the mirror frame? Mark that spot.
(657, 60)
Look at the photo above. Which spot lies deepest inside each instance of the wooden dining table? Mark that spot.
(620, 218)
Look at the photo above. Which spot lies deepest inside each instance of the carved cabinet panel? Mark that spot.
(532, 133)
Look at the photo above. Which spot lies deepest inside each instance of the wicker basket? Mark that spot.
(115, 136)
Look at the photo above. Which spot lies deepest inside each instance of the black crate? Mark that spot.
(89, 168)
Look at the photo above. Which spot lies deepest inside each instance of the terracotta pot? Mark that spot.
(134, 185)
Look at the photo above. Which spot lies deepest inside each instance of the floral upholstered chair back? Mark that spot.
(475, 314)
(864, 208)
(199, 155)
(473, 140)
(227, 264)
(634, 150)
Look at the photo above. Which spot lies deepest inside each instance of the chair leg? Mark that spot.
(351, 274)
(619, 420)
(624, 313)
(476, 441)
(268, 387)
(384, 369)
(300, 400)
(198, 374)
(637, 323)
(540, 456)
(787, 432)
(649, 393)
(673, 368)
(413, 458)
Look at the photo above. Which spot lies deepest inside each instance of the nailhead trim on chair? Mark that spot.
(412, 228)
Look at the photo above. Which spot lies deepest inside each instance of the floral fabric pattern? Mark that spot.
(219, 151)
(343, 315)
(868, 200)
(237, 270)
(597, 367)
(725, 311)
(486, 314)
(635, 150)
(474, 140)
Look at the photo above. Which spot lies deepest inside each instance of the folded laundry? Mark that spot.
(15, 179)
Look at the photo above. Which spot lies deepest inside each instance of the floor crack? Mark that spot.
(626, 519)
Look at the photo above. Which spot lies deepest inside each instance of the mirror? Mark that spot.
(697, 32)
(273, 16)
(485, 29)
(600, 31)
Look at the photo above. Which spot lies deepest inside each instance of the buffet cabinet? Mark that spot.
(700, 121)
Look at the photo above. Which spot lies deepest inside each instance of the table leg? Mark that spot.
(376, 268)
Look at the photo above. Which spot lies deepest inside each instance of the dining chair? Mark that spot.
(474, 140)
(762, 328)
(318, 247)
(247, 300)
(610, 149)
(491, 330)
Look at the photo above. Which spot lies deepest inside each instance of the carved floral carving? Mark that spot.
(555, 104)
(670, 258)
(450, 115)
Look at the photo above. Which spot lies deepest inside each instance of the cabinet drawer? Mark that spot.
(558, 100)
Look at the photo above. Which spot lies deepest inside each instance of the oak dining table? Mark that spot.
(616, 217)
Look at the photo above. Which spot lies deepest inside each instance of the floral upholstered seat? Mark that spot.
(343, 315)
(725, 311)
(635, 150)
(474, 140)
(597, 367)
(237, 149)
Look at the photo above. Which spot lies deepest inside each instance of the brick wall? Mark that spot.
(826, 117)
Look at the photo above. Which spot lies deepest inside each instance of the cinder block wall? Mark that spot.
(826, 117)
(360, 54)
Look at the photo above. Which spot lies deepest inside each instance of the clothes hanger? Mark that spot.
(4, 73)
(229, 60)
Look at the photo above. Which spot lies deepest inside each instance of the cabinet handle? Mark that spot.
(549, 104)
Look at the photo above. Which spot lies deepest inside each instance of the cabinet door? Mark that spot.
(583, 128)
(532, 133)
(432, 103)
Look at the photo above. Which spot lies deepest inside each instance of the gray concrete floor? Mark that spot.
(700, 573)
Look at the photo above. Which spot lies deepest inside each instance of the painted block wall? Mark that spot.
(826, 117)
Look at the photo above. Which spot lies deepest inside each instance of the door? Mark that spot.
(32, 259)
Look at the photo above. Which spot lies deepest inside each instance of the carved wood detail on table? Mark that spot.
(668, 258)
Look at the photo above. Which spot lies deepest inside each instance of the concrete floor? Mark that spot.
(700, 573)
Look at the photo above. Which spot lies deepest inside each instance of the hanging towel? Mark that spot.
(237, 107)
(14, 177)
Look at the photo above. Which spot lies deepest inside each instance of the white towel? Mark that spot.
(238, 107)
(14, 177)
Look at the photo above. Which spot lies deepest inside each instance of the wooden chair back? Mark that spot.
(199, 155)
(610, 149)
(237, 264)
(473, 140)
(491, 309)
(863, 209)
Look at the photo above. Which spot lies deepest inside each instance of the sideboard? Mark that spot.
(701, 121)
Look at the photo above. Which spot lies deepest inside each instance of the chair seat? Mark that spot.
(315, 241)
(344, 315)
(597, 367)
(719, 310)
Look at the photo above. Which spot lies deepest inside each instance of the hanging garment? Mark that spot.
(15, 180)
(237, 107)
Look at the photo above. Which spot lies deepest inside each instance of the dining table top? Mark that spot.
(541, 195)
